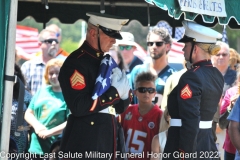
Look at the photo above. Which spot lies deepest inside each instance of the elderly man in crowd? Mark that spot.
(33, 69)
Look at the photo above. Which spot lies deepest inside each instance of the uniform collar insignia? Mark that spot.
(90, 50)
(98, 54)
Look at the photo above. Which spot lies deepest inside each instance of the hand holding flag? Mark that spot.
(121, 84)
(103, 81)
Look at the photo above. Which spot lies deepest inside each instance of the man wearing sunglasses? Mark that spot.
(159, 43)
(126, 47)
(92, 126)
(61, 54)
(33, 69)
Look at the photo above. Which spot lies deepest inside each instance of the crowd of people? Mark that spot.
(145, 109)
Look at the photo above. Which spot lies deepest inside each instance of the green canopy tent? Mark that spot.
(69, 11)
(8, 22)
(174, 9)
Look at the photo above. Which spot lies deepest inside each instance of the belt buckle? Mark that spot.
(111, 110)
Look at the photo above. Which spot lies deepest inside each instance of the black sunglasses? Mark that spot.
(49, 41)
(159, 44)
(144, 90)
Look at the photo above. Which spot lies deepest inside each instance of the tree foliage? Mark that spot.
(140, 32)
(232, 34)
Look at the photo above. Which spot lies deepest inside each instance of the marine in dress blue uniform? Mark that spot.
(91, 128)
(194, 101)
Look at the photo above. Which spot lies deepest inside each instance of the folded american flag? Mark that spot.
(103, 81)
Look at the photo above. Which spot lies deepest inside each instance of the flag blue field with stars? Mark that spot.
(224, 35)
(103, 81)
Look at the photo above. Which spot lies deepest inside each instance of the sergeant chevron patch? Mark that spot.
(77, 81)
(186, 92)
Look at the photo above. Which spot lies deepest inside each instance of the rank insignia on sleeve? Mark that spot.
(186, 92)
(77, 81)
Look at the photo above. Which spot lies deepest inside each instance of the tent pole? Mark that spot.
(102, 7)
(148, 16)
(8, 85)
(173, 25)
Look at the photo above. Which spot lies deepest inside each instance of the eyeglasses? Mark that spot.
(223, 55)
(144, 90)
(159, 44)
(49, 41)
(125, 47)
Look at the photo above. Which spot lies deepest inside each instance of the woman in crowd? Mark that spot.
(116, 55)
(228, 102)
(234, 59)
(47, 112)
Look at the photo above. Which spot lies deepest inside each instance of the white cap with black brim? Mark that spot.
(109, 24)
(197, 33)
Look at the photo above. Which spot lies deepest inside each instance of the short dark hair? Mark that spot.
(162, 32)
(145, 76)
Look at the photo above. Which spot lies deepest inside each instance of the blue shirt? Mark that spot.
(136, 61)
(229, 79)
(235, 116)
(235, 113)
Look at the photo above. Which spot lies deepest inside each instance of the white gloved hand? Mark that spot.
(126, 88)
(117, 73)
(121, 84)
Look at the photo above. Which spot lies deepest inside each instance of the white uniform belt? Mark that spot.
(202, 124)
(108, 110)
